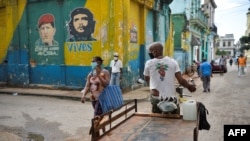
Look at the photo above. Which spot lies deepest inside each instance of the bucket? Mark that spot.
(189, 110)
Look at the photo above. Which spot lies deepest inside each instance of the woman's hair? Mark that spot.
(98, 58)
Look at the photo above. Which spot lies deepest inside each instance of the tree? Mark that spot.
(218, 52)
(245, 43)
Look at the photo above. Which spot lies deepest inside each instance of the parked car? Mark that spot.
(216, 67)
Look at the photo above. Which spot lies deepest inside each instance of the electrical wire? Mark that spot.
(226, 9)
(235, 12)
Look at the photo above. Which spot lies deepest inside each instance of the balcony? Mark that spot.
(199, 19)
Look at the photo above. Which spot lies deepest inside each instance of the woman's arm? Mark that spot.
(104, 78)
(86, 89)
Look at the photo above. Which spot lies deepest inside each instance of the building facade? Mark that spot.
(226, 44)
(52, 42)
(191, 38)
(209, 7)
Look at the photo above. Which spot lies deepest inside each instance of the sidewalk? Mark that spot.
(140, 93)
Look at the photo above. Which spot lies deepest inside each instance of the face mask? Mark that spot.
(93, 65)
(115, 58)
(151, 55)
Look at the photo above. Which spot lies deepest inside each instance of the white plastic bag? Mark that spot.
(166, 106)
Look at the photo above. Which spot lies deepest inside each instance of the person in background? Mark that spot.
(222, 63)
(97, 80)
(160, 73)
(237, 63)
(116, 70)
(231, 61)
(242, 65)
(206, 74)
(197, 66)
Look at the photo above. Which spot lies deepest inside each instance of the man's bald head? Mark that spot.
(156, 48)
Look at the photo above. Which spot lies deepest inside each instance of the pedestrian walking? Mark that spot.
(160, 73)
(206, 74)
(97, 80)
(231, 61)
(242, 65)
(116, 70)
(223, 64)
(237, 63)
(197, 63)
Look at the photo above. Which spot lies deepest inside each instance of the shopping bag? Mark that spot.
(111, 98)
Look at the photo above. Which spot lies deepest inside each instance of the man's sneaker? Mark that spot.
(208, 90)
(204, 91)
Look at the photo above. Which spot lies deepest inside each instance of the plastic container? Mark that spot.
(190, 110)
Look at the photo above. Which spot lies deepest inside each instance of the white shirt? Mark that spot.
(162, 75)
(222, 61)
(116, 66)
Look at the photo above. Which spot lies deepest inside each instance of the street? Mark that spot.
(51, 119)
(228, 103)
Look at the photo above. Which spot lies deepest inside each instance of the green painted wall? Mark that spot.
(179, 24)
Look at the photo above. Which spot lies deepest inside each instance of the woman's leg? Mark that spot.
(97, 108)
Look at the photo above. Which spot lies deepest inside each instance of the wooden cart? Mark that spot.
(126, 124)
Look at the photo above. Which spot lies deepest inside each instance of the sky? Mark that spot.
(231, 18)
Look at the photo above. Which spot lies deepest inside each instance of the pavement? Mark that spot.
(141, 92)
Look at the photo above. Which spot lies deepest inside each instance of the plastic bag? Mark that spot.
(166, 106)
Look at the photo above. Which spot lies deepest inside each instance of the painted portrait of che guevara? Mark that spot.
(81, 25)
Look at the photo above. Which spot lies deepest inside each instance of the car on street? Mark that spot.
(216, 67)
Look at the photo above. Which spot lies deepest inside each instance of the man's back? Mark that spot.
(162, 75)
(206, 69)
(242, 61)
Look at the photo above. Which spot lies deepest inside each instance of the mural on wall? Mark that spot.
(46, 47)
(134, 46)
(46, 31)
(133, 34)
(81, 45)
(81, 25)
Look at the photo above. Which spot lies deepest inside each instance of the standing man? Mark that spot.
(222, 63)
(160, 73)
(81, 25)
(116, 70)
(242, 65)
(206, 74)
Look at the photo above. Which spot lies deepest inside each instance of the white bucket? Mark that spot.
(189, 110)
